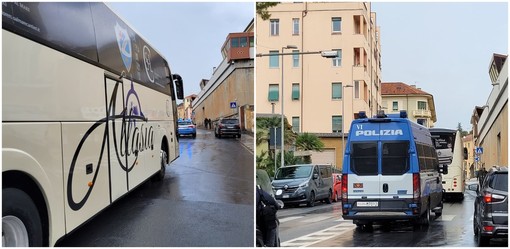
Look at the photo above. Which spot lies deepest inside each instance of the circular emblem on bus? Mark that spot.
(147, 63)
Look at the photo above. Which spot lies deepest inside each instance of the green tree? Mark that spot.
(262, 9)
(307, 141)
(462, 132)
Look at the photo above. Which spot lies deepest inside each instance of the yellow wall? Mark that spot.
(238, 86)
(491, 154)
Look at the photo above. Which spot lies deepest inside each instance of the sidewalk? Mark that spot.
(247, 141)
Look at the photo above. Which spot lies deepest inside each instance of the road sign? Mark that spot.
(477, 159)
(479, 150)
(233, 105)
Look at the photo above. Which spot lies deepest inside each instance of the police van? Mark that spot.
(390, 171)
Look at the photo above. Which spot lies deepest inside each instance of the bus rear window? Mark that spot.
(395, 158)
(364, 158)
(443, 141)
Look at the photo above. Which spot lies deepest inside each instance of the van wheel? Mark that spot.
(21, 223)
(330, 197)
(426, 218)
(311, 201)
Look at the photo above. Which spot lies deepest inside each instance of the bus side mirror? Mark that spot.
(179, 88)
(465, 153)
(443, 169)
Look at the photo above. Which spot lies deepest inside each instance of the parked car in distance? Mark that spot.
(227, 127)
(337, 186)
(186, 128)
(490, 219)
(303, 183)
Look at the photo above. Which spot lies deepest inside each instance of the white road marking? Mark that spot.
(446, 217)
(289, 218)
(319, 236)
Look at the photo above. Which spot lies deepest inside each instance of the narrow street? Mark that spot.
(205, 199)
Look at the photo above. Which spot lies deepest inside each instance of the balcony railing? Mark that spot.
(422, 113)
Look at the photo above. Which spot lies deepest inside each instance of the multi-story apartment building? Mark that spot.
(490, 121)
(180, 111)
(319, 95)
(419, 104)
(229, 91)
(188, 108)
(469, 162)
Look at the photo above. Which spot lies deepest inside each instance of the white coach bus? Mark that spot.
(88, 114)
(451, 152)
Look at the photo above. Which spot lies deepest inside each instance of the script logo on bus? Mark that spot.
(124, 43)
(369, 133)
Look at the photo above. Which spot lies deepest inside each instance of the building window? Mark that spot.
(235, 42)
(295, 124)
(422, 121)
(252, 43)
(422, 105)
(337, 61)
(295, 91)
(356, 89)
(336, 24)
(243, 42)
(395, 106)
(336, 90)
(295, 26)
(273, 93)
(275, 27)
(295, 58)
(337, 123)
(274, 59)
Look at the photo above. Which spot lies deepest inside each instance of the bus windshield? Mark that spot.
(293, 172)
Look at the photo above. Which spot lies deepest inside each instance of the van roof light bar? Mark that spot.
(362, 114)
(380, 114)
(403, 113)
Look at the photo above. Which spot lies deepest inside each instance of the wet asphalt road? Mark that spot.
(322, 226)
(205, 199)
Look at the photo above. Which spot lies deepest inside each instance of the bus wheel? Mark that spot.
(21, 224)
(161, 174)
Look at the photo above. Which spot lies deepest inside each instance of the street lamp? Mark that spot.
(343, 119)
(282, 150)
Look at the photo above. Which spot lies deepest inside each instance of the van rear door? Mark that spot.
(380, 178)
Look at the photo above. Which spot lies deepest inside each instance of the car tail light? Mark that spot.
(191, 126)
(416, 187)
(344, 188)
(237, 126)
(488, 229)
(490, 198)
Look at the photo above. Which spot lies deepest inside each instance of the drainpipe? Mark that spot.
(303, 14)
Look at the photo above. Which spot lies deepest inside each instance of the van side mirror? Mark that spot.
(465, 153)
(443, 169)
(179, 88)
(315, 176)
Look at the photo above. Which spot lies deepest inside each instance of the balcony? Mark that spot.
(422, 113)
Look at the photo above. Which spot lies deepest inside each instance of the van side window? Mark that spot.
(427, 157)
(364, 158)
(395, 158)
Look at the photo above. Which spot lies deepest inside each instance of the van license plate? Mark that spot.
(367, 204)
(285, 196)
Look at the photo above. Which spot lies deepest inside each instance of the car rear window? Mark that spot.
(395, 158)
(229, 121)
(364, 158)
(184, 123)
(499, 181)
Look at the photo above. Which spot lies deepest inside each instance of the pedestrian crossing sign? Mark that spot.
(479, 150)
(233, 105)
